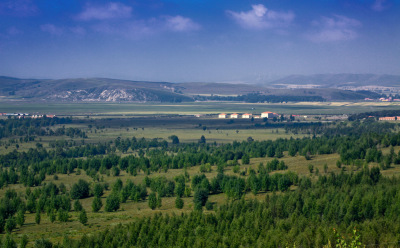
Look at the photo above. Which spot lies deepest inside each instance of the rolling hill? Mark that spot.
(115, 90)
(344, 80)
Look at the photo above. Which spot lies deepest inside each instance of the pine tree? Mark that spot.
(152, 200)
(96, 204)
(179, 202)
(37, 217)
(83, 217)
(77, 206)
(20, 217)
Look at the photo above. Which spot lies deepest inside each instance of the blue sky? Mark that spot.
(198, 40)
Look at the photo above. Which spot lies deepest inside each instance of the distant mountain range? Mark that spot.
(340, 81)
(328, 86)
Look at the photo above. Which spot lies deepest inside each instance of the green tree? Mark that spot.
(202, 140)
(179, 202)
(311, 168)
(200, 196)
(9, 242)
(245, 159)
(11, 224)
(80, 190)
(152, 200)
(83, 217)
(97, 204)
(52, 216)
(63, 215)
(20, 217)
(24, 241)
(77, 205)
(159, 201)
(174, 139)
(37, 217)
(98, 190)
(112, 203)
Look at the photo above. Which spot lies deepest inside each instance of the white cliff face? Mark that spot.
(107, 95)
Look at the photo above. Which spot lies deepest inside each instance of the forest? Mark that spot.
(266, 203)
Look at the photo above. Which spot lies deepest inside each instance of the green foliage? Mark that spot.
(42, 243)
(209, 205)
(174, 139)
(112, 203)
(37, 217)
(152, 200)
(10, 225)
(311, 168)
(80, 190)
(179, 202)
(245, 159)
(98, 190)
(83, 217)
(77, 206)
(200, 196)
(97, 204)
(9, 242)
(24, 241)
(20, 217)
(63, 215)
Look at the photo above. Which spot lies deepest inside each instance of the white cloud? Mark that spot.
(52, 29)
(112, 10)
(379, 5)
(336, 28)
(259, 17)
(180, 24)
(136, 29)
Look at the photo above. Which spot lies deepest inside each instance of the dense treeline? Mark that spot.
(374, 114)
(259, 98)
(302, 218)
(38, 127)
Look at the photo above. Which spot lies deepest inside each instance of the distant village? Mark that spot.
(26, 115)
(383, 99)
(268, 115)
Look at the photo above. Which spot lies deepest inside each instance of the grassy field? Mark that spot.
(113, 109)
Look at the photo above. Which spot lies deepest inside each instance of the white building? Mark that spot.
(222, 116)
(234, 116)
(247, 116)
(268, 115)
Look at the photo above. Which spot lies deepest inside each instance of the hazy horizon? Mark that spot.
(198, 41)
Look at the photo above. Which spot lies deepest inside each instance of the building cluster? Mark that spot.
(248, 116)
(383, 99)
(390, 118)
(26, 115)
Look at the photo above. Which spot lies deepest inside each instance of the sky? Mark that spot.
(198, 40)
